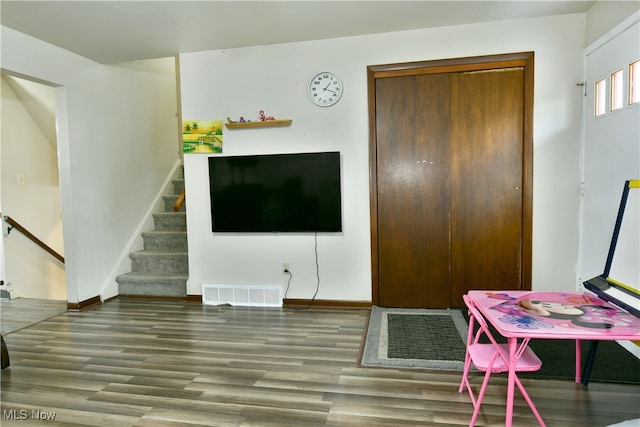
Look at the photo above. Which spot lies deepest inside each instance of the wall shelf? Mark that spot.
(258, 124)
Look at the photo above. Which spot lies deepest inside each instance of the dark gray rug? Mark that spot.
(415, 338)
(613, 363)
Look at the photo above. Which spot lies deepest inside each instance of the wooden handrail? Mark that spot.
(14, 224)
(179, 202)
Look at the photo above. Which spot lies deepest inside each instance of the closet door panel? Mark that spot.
(486, 180)
(412, 125)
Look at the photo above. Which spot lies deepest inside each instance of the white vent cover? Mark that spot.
(242, 295)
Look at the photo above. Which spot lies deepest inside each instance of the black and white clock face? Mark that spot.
(325, 89)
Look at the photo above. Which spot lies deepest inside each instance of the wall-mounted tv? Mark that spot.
(276, 193)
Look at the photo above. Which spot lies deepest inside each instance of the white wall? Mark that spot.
(117, 136)
(29, 149)
(34, 59)
(611, 147)
(605, 15)
(122, 146)
(217, 84)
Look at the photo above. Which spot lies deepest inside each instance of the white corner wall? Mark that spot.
(602, 16)
(27, 56)
(122, 145)
(239, 82)
(29, 152)
(117, 144)
(611, 146)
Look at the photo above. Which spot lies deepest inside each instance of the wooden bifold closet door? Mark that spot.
(450, 185)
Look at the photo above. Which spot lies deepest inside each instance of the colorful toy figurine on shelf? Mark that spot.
(240, 120)
(264, 118)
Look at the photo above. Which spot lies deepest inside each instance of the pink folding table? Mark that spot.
(552, 315)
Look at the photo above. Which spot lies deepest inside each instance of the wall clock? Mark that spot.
(325, 89)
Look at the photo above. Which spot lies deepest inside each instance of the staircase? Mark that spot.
(161, 268)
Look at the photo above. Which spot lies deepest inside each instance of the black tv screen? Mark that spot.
(276, 193)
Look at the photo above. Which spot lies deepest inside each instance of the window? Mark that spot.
(634, 82)
(601, 97)
(617, 90)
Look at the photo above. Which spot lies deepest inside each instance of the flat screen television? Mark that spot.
(276, 193)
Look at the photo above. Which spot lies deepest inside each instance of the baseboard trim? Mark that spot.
(188, 298)
(194, 298)
(157, 297)
(83, 305)
(289, 302)
(197, 299)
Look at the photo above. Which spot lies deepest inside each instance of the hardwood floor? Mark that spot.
(167, 363)
(18, 313)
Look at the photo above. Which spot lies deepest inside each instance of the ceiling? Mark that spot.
(115, 31)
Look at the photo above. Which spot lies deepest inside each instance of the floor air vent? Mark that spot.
(242, 295)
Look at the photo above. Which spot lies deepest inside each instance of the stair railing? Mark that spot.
(179, 202)
(14, 224)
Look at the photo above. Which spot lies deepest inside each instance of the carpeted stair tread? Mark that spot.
(165, 240)
(170, 201)
(178, 185)
(152, 284)
(161, 262)
(176, 221)
(162, 253)
(169, 214)
(161, 268)
(151, 275)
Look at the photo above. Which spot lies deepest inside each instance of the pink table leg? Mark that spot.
(578, 362)
(511, 381)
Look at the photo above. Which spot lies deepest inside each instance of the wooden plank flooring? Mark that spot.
(135, 362)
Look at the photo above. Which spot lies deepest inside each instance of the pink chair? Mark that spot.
(493, 358)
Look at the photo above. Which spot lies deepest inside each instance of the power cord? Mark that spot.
(317, 279)
(288, 284)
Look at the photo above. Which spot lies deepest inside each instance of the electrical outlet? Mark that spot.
(285, 267)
